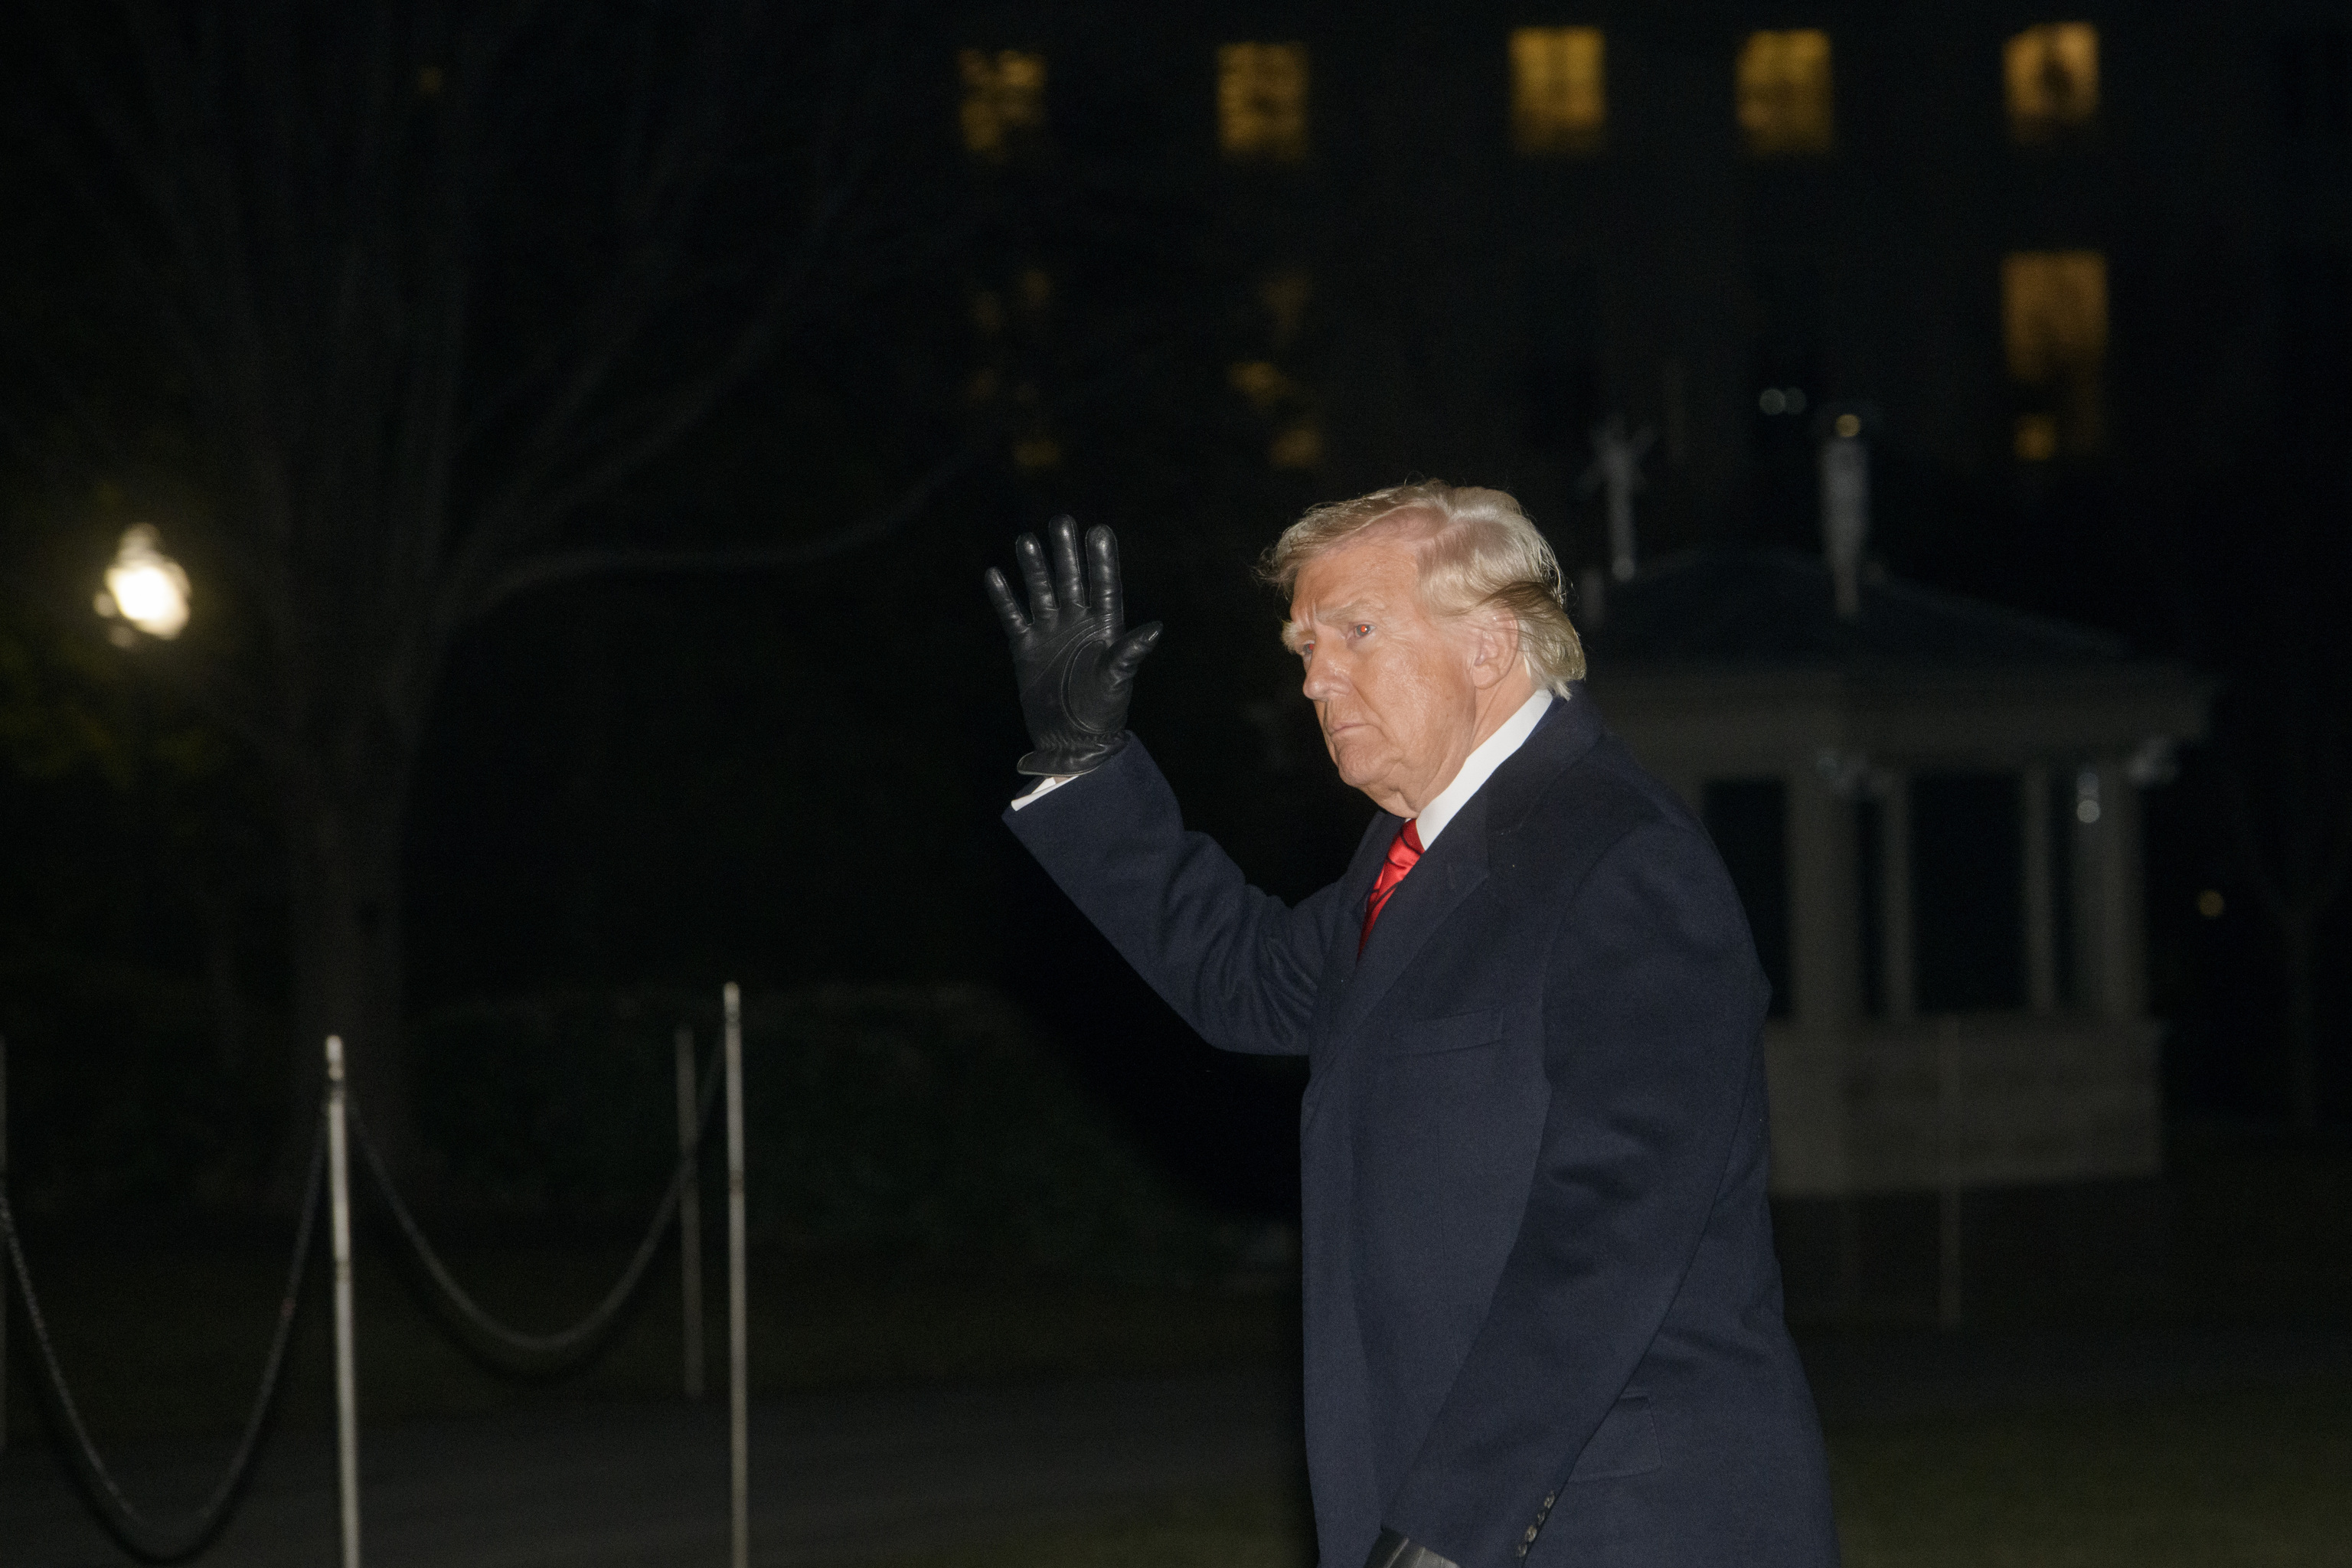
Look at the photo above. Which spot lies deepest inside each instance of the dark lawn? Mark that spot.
(2248, 1481)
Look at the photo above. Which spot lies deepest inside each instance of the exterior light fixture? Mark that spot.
(144, 588)
(2086, 796)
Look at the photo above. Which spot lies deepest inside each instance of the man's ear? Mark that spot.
(1493, 638)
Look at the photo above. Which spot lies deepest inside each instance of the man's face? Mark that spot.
(1392, 688)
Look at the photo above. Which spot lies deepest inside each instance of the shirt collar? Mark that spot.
(1478, 766)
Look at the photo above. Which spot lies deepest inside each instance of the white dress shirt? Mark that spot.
(1476, 768)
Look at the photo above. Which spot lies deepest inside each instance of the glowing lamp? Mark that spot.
(145, 586)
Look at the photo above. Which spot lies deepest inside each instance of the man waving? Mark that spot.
(1543, 1314)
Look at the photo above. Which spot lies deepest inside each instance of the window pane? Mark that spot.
(1004, 101)
(1968, 891)
(1559, 99)
(1785, 97)
(1748, 820)
(2052, 73)
(1262, 102)
(2053, 318)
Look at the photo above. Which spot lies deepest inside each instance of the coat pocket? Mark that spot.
(1626, 1444)
(1434, 1037)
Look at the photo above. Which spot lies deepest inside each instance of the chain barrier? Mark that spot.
(177, 1543)
(141, 1537)
(565, 1346)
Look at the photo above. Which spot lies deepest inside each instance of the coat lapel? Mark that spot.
(1568, 731)
(1431, 891)
(1355, 887)
(1452, 871)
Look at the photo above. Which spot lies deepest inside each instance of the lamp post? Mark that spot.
(146, 590)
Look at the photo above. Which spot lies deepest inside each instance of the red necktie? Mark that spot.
(1402, 856)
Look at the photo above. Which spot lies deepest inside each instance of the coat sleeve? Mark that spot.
(1651, 1005)
(1238, 963)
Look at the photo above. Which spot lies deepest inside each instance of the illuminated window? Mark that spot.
(1264, 384)
(1559, 101)
(1004, 101)
(1262, 102)
(1298, 443)
(1285, 410)
(1030, 297)
(2053, 320)
(1785, 98)
(1300, 447)
(2036, 437)
(1013, 325)
(2052, 72)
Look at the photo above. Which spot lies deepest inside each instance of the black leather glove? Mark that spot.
(1072, 652)
(1393, 1551)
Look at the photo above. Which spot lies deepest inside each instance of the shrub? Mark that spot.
(930, 1122)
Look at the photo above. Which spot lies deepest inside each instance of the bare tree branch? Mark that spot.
(423, 323)
(573, 566)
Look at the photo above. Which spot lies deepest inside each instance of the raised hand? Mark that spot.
(1072, 652)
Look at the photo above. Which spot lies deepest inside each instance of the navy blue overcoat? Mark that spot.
(1543, 1317)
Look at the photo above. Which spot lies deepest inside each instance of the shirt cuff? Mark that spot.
(1044, 787)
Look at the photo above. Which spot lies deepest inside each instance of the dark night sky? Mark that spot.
(792, 776)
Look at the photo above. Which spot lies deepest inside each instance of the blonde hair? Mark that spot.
(1478, 550)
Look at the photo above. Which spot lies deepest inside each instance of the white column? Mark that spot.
(1807, 1060)
(2109, 855)
(2041, 913)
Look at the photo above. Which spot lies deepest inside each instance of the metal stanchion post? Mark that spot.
(338, 1193)
(4, 1273)
(690, 1212)
(738, 1386)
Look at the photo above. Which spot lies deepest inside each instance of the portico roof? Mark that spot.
(1775, 608)
(1722, 659)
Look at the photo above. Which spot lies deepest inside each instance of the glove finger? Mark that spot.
(1040, 582)
(1103, 590)
(1128, 656)
(1008, 610)
(1068, 575)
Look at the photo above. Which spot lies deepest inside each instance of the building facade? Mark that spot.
(1453, 239)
